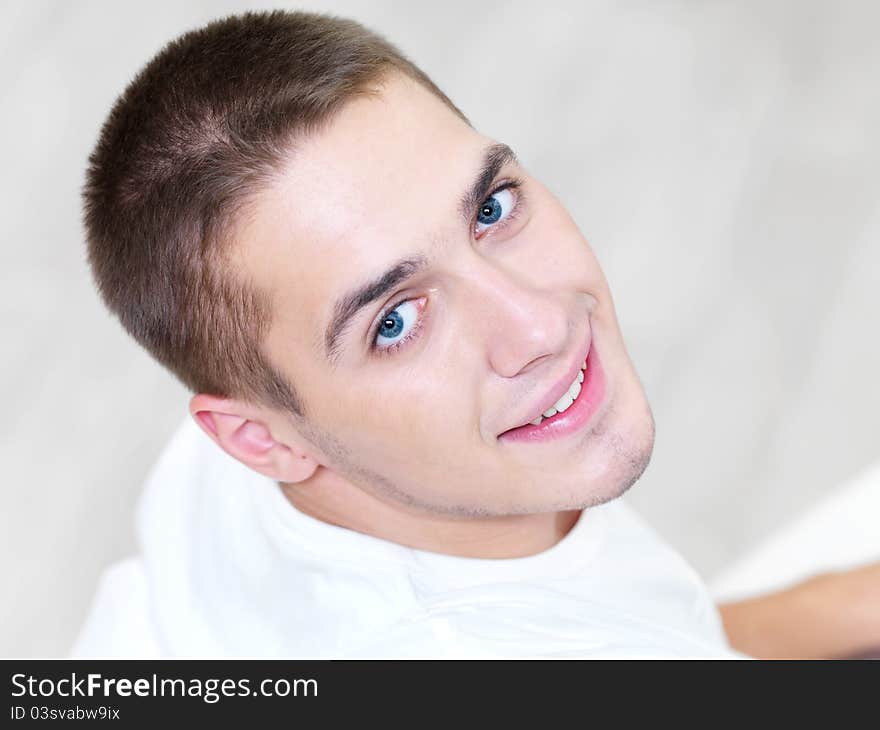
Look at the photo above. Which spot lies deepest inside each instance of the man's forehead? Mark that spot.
(377, 151)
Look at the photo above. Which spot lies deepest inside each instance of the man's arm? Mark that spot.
(834, 615)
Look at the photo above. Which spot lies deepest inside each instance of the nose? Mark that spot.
(523, 323)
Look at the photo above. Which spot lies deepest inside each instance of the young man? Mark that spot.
(408, 357)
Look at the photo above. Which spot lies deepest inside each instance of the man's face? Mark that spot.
(497, 307)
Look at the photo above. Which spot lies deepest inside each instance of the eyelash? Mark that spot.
(512, 184)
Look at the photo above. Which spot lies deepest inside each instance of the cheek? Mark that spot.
(578, 257)
(406, 411)
(558, 245)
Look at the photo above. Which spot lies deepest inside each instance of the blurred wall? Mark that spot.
(721, 157)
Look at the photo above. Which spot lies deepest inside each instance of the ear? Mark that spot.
(249, 440)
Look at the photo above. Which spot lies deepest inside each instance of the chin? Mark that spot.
(625, 449)
(617, 456)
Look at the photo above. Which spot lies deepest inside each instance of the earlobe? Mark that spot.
(297, 468)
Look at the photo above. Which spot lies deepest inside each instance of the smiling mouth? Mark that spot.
(580, 402)
(566, 400)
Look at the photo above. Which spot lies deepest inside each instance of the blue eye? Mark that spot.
(396, 325)
(497, 207)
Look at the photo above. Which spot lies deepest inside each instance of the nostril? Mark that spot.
(534, 363)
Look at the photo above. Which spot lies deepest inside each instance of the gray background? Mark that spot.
(720, 156)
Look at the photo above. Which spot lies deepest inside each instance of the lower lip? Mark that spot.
(576, 416)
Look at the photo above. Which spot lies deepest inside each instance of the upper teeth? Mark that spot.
(567, 398)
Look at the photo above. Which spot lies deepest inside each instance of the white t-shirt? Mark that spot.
(229, 567)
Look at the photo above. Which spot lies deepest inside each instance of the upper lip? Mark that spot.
(560, 386)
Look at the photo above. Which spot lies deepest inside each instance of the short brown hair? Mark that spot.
(184, 148)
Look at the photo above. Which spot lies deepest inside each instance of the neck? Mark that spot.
(509, 536)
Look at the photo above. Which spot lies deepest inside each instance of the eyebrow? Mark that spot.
(494, 157)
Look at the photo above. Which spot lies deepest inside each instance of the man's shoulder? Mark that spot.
(118, 623)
